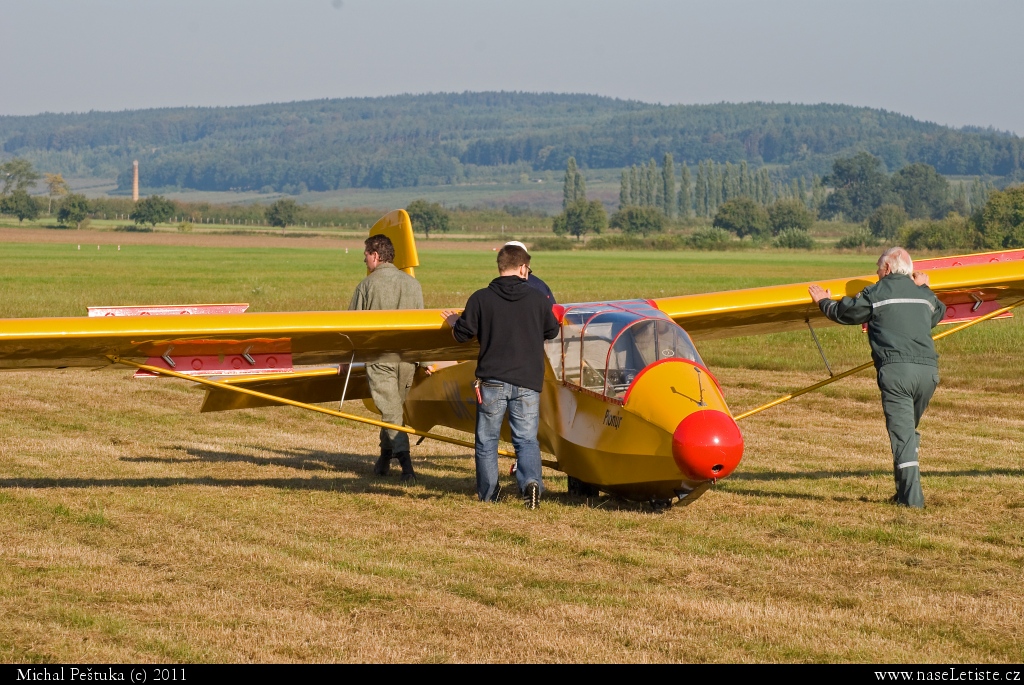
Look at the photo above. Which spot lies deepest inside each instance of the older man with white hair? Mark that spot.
(900, 311)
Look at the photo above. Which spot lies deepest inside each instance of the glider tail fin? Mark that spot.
(397, 226)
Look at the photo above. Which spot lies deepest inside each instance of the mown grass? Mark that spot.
(134, 529)
(61, 280)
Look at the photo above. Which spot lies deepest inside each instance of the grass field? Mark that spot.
(134, 529)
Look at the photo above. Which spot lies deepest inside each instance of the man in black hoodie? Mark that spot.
(511, 321)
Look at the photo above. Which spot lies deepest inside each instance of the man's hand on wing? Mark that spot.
(450, 316)
(920, 278)
(818, 293)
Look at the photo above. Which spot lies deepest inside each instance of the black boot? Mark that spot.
(383, 464)
(408, 475)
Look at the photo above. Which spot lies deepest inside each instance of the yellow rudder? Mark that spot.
(397, 226)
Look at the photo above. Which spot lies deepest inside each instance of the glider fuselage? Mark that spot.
(627, 406)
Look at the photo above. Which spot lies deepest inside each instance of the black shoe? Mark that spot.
(531, 496)
(383, 464)
(408, 475)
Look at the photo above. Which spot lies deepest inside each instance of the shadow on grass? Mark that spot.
(864, 473)
(340, 484)
(300, 459)
(774, 494)
(341, 472)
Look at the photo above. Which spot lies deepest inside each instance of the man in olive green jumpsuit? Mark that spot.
(900, 311)
(387, 287)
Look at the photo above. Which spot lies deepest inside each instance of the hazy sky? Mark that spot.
(954, 63)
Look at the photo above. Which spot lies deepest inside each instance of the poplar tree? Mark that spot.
(716, 187)
(744, 181)
(766, 187)
(705, 191)
(645, 183)
(652, 183)
(668, 185)
(570, 184)
(700, 192)
(580, 188)
(634, 186)
(979, 194)
(817, 194)
(960, 202)
(624, 189)
(685, 200)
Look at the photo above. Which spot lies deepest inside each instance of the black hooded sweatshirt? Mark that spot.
(511, 320)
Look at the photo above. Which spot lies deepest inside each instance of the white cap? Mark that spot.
(517, 244)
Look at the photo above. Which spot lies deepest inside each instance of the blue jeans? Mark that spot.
(523, 406)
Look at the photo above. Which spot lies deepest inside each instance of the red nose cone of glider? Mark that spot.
(707, 444)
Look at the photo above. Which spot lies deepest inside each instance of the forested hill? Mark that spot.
(412, 140)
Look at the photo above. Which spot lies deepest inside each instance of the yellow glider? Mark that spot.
(628, 405)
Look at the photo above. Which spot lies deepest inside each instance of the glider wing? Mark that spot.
(284, 338)
(970, 285)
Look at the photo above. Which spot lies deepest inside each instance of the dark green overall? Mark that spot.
(900, 316)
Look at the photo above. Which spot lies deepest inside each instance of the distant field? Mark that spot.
(134, 529)
(542, 192)
(545, 196)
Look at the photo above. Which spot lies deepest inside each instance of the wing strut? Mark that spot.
(850, 372)
(303, 405)
(341, 405)
(820, 351)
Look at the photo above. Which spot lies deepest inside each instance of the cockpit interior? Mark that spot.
(604, 346)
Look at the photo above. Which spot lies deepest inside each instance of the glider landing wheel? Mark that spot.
(659, 506)
(578, 488)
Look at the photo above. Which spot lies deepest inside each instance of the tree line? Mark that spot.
(409, 140)
(19, 176)
(713, 184)
(753, 204)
